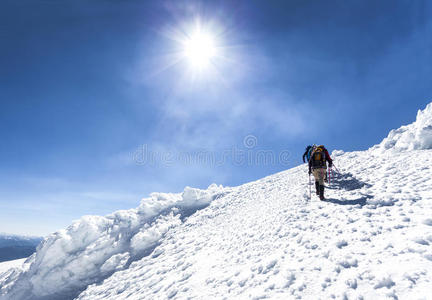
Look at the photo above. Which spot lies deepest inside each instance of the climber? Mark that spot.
(307, 155)
(318, 167)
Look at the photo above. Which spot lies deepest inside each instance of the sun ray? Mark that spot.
(200, 48)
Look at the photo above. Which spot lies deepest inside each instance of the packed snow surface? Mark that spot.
(371, 238)
(6, 265)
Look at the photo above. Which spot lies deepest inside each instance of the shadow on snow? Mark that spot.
(346, 182)
(360, 201)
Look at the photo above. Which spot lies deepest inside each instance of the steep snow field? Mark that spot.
(371, 238)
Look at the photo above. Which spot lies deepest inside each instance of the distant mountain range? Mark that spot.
(15, 246)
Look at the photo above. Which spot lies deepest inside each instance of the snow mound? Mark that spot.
(415, 136)
(94, 247)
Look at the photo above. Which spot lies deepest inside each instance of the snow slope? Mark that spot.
(6, 265)
(371, 239)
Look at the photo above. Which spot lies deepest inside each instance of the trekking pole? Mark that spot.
(310, 189)
(335, 168)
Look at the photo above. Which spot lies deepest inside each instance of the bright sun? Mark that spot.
(199, 49)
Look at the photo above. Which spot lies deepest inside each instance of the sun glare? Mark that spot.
(199, 49)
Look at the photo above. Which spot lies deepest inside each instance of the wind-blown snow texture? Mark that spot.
(415, 136)
(94, 247)
(372, 237)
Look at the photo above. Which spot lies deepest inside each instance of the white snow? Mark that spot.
(94, 247)
(416, 136)
(266, 240)
(371, 238)
(6, 265)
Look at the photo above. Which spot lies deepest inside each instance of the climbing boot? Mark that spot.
(321, 192)
(317, 185)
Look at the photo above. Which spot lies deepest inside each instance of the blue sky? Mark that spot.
(85, 86)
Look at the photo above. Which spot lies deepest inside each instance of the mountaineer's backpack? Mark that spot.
(318, 157)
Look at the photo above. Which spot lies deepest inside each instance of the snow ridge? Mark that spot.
(94, 247)
(415, 136)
